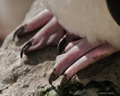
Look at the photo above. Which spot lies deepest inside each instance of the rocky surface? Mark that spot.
(28, 76)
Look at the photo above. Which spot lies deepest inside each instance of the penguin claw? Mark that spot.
(52, 77)
(20, 30)
(25, 47)
(67, 38)
(61, 45)
(65, 81)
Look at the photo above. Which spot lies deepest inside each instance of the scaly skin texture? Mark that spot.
(77, 52)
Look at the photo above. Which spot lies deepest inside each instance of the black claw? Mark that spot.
(18, 31)
(67, 38)
(52, 77)
(61, 45)
(65, 81)
(28, 45)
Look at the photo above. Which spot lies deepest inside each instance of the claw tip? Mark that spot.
(21, 54)
(26, 46)
(19, 30)
(64, 81)
(52, 77)
(61, 45)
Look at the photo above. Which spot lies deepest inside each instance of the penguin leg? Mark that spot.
(35, 22)
(50, 33)
(79, 54)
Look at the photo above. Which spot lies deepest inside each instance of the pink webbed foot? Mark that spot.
(50, 33)
(78, 55)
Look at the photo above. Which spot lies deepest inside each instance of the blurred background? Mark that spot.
(12, 13)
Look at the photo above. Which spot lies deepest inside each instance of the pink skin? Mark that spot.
(86, 56)
(51, 33)
(78, 54)
(37, 21)
(70, 45)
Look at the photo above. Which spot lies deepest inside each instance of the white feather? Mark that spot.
(88, 18)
